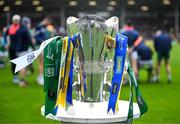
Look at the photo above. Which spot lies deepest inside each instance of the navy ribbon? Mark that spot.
(70, 81)
(69, 90)
(119, 61)
(76, 40)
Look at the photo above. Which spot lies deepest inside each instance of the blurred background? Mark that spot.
(147, 15)
(22, 102)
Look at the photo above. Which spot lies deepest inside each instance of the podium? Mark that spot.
(93, 113)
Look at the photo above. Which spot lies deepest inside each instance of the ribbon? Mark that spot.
(77, 41)
(62, 64)
(130, 111)
(27, 59)
(63, 91)
(140, 101)
(65, 86)
(118, 69)
(52, 57)
(69, 90)
(62, 71)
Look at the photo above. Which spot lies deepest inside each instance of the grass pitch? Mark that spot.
(22, 105)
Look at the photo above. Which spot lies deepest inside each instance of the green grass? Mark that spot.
(163, 99)
(22, 105)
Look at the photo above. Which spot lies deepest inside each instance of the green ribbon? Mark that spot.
(130, 111)
(140, 100)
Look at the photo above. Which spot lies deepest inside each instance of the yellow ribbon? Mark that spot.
(61, 100)
(117, 107)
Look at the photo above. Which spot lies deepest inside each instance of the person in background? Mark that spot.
(4, 35)
(133, 41)
(62, 31)
(24, 40)
(162, 45)
(41, 34)
(145, 60)
(30, 68)
(11, 36)
(2, 51)
(51, 30)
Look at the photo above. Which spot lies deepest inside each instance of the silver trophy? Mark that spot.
(94, 62)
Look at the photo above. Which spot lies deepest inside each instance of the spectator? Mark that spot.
(11, 36)
(24, 40)
(41, 34)
(162, 45)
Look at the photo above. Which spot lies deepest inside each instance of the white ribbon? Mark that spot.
(29, 58)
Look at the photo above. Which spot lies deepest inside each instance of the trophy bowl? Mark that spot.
(94, 61)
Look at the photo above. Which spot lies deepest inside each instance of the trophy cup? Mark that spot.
(94, 62)
(83, 73)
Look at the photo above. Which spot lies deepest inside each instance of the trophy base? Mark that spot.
(84, 112)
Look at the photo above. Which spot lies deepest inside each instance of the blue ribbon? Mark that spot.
(69, 90)
(119, 61)
(77, 40)
(79, 37)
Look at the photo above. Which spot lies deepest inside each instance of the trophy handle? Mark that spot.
(113, 22)
(71, 20)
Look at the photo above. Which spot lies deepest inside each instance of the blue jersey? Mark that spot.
(132, 36)
(162, 43)
(41, 34)
(144, 52)
(24, 39)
